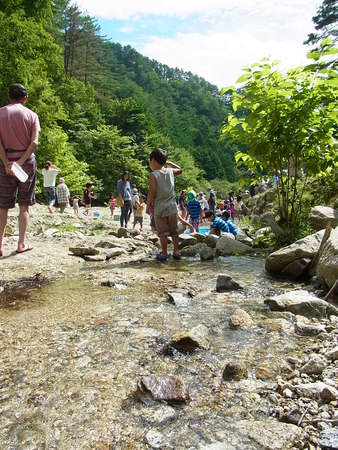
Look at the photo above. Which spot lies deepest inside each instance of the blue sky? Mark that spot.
(211, 38)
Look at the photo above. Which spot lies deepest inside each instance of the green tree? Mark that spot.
(289, 130)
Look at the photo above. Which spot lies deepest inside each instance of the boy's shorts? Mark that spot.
(11, 189)
(167, 226)
(138, 219)
(195, 222)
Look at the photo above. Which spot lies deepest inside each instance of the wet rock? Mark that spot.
(314, 366)
(207, 254)
(178, 298)
(171, 389)
(297, 268)
(302, 303)
(321, 216)
(197, 337)
(84, 251)
(199, 237)
(228, 245)
(327, 268)
(303, 248)
(270, 434)
(226, 283)
(240, 319)
(235, 371)
(186, 240)
(329, 394)
(211, 240)
(328, 439)
(191, 250)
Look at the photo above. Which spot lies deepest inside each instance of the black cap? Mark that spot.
(17, 91)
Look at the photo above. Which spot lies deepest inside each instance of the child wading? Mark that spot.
(194, 210)
(139, 212)
(162, 195)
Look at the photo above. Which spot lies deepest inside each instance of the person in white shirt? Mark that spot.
(49, 173)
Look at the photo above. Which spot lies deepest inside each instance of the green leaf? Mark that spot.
(244, 77)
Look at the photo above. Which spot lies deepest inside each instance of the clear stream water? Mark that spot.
(73, 352)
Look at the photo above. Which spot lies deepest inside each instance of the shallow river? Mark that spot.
(73, 352)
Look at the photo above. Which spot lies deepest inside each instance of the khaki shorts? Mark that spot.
(167, 226)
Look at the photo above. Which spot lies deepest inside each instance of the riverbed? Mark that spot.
(73, 352)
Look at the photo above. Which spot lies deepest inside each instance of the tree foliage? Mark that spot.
(289, 125)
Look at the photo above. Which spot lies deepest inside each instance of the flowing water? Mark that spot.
(73, 352)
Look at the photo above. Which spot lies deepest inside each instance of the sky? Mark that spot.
(214, 39)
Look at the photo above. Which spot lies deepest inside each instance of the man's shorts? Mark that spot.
(12, 190)
(167, 226)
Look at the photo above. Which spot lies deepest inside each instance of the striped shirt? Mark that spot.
(194, 208)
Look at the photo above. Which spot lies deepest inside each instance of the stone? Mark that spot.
(329, 394)
(333, 354)
(228, 245)
(197, 337)
(321, 216)
(303, 248)
(226, 283)
(199, 237)
(310, 390)
(170, 388)
(235, 371)
(328, 439)
(211, 240)
(297, 268)
(84, 251)
(305, 329)
(243, 238)
(178, 298)
(155, 439)
(186, 240)
(207, 254)
(122, 233)
(327, 267)
(240, 319)
(315, 365)
(302, 303)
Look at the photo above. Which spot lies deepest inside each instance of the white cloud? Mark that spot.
(231, 34)
(220, 57)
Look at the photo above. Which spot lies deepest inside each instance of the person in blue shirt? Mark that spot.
(219, 225)
(194, 210)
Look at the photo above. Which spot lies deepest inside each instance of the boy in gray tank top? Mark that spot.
(162, 198)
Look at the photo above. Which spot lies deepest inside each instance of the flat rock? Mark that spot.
(170, 388)
(84, 251)
(188, 341)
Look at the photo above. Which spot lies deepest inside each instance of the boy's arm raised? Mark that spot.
(176, 168)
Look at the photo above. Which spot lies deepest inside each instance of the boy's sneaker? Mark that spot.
(177, 256)
(161, 257)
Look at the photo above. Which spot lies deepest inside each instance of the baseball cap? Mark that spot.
(17, 91)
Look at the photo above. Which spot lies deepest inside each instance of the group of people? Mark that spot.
(19, 136)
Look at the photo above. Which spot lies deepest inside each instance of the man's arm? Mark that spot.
(151, 193)
(31, 148)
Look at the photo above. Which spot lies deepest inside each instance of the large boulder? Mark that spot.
(228, 245)
(320, 216)
(327, 268)
(301, 303)
(304, 248)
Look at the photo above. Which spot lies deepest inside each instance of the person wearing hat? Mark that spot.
(134, 199)
(194, 210)
(62, 193)
(19, 138)
(212, 199)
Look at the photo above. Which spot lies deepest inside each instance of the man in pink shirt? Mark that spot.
(19, 136)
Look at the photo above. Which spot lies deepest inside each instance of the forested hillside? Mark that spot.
(103, 107)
